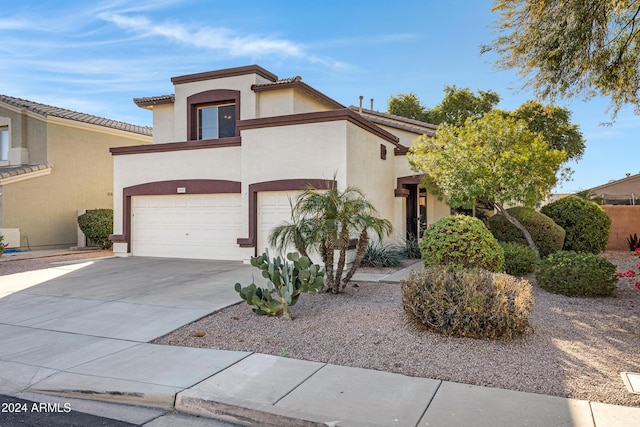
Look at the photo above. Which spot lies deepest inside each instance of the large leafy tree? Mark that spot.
(407, 105)
(495, 158)
(326, 221)
(567, 48)
(459, 104)
(554, 123)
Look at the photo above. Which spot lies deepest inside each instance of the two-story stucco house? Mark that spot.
(54, 162)
(231, 146)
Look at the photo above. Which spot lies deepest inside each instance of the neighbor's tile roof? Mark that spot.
(397, 122)
(48, 110)
(8, 172)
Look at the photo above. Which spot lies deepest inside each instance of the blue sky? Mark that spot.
(96, 56)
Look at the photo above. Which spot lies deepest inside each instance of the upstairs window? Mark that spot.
(212, 114)
(4, 143)
(216, 121)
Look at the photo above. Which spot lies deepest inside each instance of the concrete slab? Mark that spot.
(180, 420)
(401, 274)
(161, 364)
(257, 378)
(352, 396)
(137, 415)
(615, 416)
(127, 321)
(55, 350)
(16, 377)
(462, 404)
(631, 381)
(107, 389)
(26, 309)
(12, 283)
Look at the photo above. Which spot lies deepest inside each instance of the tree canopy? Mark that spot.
(568, 48)
(459, 104)
(407, 105)
(495, 158)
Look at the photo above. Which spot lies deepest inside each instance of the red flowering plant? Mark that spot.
(631, 274)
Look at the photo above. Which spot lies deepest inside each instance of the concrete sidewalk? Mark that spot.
(83, 333)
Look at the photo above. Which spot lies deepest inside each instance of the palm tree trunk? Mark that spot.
(328, 264)
(363, 242)
(344, 245)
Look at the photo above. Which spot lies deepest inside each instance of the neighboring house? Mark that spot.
(231, 148)
(625, 191)
(621, 200)
(54, 162)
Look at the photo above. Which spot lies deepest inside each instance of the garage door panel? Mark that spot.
(273, 210)
(187, 226)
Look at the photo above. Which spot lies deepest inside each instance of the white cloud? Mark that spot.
(213, 38)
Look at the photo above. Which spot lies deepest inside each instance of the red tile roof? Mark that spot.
(48, 110)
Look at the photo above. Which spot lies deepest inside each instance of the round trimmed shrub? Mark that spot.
(519, 259)
(546, 234)
(97, 225)
(461, 241)
(586, 224)
(468, 302)
(577, 274)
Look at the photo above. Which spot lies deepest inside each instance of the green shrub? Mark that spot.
(518, 259)
(97, 225)
(468, 302)
(577, 274)
(2, 245)
(378, 255)
(586, 224)
(546, 234)
(461, 241)
(412, 248)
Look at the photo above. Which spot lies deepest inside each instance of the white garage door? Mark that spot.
(273, 210)
(186, 226)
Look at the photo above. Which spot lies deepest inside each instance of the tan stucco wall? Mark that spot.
(28, 131)
(371, 174)
(625, 220)
(45, 208)
(163, 123)
(248, 107)
(287, 101)
(135, 169)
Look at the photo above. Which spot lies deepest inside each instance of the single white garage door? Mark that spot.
(273, 210)
(186, 226)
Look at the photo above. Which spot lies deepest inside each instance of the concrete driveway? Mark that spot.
(83, 329)
(136, 299)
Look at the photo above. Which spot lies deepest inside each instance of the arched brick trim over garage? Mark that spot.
(162, 188)
(279, 185)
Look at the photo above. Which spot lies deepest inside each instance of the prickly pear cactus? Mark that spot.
(286, 280)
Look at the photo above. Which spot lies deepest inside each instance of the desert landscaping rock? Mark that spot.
(576, 348)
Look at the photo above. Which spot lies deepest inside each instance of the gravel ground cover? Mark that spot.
(576, 348)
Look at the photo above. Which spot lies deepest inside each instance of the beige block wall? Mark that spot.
(45, 208)
(625, 220)
(287, 101)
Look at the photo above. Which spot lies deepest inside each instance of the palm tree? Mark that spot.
(326, 221)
